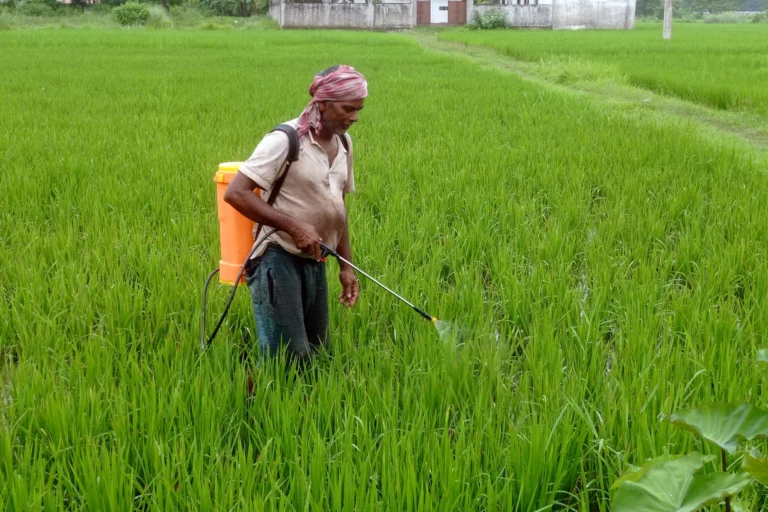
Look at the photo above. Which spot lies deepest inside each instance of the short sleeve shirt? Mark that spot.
(313, 191)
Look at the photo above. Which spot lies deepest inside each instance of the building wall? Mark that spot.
(401, 14)
(586, 14)
(275, 11)
(520, 15)
(369, 15)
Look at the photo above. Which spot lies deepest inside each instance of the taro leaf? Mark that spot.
(634, 473)
(723, 423)
(674, 487)
(758, 468)
(762, 356)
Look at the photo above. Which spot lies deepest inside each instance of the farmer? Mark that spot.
(286, 275)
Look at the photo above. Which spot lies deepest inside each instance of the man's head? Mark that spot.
(338, 94)
(338, 116)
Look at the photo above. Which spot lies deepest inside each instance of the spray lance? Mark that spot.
(327, 250)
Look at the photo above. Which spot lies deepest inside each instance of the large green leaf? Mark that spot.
(757, 467)
(674, 487)
(634, 473)
(723, 423)
(762, 356)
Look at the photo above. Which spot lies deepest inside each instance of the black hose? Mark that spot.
(231, 295)
(205, 294)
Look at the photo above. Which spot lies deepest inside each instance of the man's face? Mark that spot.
(339, 116)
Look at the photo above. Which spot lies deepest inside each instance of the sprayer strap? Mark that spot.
(293, 155)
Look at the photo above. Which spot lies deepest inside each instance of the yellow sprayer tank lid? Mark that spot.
(227, 171)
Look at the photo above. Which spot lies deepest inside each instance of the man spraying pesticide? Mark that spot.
(304, 169)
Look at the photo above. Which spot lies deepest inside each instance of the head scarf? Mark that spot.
(343, 84)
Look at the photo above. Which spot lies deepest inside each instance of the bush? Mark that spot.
(242, 8)
(6, 21)
(490, 19)
(132, 13)
(158, 18)
(186, 16)
(759, 17)
(723, 17)
(36, 8)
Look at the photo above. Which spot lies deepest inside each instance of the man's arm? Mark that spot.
(343, 248)
(240, 196)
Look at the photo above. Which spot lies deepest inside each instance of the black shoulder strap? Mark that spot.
(293, 141)
(293, 155)
(345, 142)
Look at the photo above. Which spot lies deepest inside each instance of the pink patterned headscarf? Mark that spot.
(343, 84)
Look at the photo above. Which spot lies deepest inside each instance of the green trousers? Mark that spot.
(290, 303)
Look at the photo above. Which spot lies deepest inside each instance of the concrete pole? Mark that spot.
(470, 10)
(667, 20)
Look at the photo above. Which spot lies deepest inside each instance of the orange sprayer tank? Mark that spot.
(235, 230)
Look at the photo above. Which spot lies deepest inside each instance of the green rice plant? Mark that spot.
(670, 483)
(606, 271)
(723, 66)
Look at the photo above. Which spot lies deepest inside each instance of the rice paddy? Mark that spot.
(602, 270)
(722, 66)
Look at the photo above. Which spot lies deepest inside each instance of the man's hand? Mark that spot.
(350, 288)
(307, 240)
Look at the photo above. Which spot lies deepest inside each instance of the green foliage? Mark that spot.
(724, 18)
(675, 486)
(669, 484)
(760, 17)
(725, 424)
(131, 13)
(756, 467)
(605, 267)
(186, 14)
(101, 8)
(242, 8)
(490, 19)
(158, 18)
(37, 8)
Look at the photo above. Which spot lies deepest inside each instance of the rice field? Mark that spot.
(722, 66)
(605, 271)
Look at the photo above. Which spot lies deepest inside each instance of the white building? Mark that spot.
(404, 14)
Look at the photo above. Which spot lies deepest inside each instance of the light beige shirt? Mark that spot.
(313, 192)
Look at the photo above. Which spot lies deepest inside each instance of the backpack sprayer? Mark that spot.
(238, 242)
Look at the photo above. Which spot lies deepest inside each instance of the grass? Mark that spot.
(180, 17)
(723, 66)
(607, 270)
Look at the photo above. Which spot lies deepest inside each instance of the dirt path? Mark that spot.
(749, 131)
